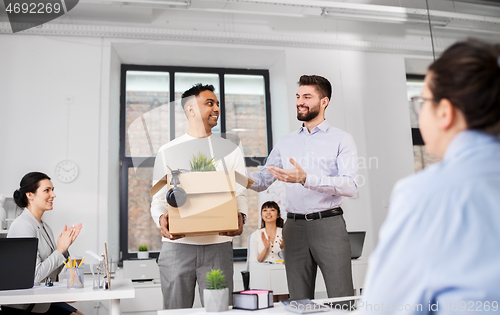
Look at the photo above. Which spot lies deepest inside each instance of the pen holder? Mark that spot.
(75, 277)
(97, 274)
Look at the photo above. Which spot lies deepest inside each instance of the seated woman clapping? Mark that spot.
(36, 196)
(267, 242)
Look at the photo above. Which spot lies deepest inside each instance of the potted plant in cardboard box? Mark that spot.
(216, 294)
(201, 163)
(143, 252)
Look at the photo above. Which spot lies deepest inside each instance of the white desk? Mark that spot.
(120, 289)
(273, 277)
(277, 309)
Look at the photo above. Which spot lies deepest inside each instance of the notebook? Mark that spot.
(17, 263)
(357, 240)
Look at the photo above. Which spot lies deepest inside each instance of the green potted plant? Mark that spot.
(201, 163)
(143, 252)
(216, 294)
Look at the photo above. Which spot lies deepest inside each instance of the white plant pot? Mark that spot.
(216, 300)
(143, 255)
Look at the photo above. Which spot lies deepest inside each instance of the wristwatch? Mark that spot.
(244, 217)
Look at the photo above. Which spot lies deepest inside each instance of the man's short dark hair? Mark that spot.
(322, 85)
(195, 90)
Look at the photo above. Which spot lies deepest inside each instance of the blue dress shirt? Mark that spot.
(328, 155)
(439, 248)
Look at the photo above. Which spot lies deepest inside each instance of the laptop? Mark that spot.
(357, 240)
(17, 263)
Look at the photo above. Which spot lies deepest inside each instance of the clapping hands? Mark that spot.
(67, 237)
(265, 240)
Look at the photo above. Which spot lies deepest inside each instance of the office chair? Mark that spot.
(245, 274)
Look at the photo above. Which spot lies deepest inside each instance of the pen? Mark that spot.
(74, 262)
(81, 262)
(66, 264)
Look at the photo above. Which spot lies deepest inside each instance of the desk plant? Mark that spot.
(143, 251)
(216, 294)
(201, 163)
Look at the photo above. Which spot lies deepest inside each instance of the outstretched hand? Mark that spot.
(294, 175)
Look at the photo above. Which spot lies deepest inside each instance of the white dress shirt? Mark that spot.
(177, 154)
(257, 245)
(329, 157)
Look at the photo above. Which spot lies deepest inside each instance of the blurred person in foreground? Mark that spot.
(438, 249)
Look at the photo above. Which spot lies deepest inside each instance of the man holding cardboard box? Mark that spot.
(197, 229)
(319, 164)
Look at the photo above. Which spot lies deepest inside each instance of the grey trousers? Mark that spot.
(182, 265)
(309, 244)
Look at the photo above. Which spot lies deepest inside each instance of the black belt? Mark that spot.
(316, 215)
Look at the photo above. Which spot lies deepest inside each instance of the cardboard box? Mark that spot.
(211, 205)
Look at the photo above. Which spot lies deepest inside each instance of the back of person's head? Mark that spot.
(195, 90)
(272, 205)
(29, 184)
(322, 85)
(468, 75)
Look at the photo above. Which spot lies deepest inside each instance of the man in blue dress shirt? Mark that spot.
(318, 165)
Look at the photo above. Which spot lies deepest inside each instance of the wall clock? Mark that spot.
(66, 171)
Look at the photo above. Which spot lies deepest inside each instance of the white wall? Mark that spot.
(37, 128)
(369, 101)
(375, 89)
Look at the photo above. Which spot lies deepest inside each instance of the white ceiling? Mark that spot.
(375, 25)
(161, 13)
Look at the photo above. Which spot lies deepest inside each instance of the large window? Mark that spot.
(150, 96)
(414, 86)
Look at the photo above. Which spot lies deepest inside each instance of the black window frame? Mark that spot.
(239, 254)
(416, 135)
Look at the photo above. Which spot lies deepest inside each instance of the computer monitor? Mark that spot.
(17, 263)
(357, 240)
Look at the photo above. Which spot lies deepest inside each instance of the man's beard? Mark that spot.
(309, 115)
